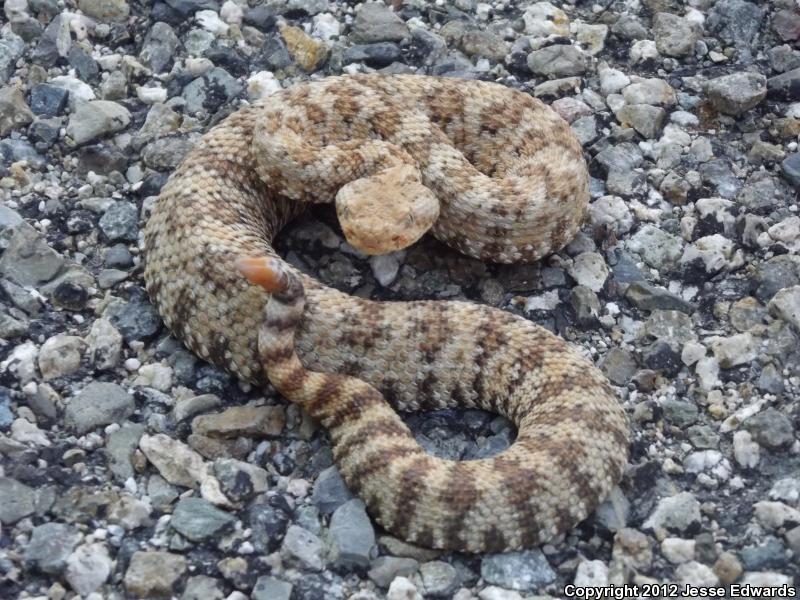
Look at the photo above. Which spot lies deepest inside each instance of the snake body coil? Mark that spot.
(511, 184)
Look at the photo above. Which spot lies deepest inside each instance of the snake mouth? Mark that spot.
(263, 271)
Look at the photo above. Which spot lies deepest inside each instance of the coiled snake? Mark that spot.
(508, 182)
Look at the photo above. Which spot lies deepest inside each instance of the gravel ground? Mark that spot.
(128, 468)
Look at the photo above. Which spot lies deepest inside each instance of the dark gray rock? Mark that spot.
(121, 222)
(376, 55)
(352, 536)
(159, 47)
(330, 491)
(736, 22)
(16, 500)
(790, 169)
(48, 100)
(135, 320)
(376, 22)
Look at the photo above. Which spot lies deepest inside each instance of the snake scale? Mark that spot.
(511, 185)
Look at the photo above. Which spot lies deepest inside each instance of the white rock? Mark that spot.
(786, 489)
(25, 432)
(60, 355)
(591, 573)
(746, 452)
(325, 27)
(401, 588)
(692, 352)
(697, 574)
(21, 362)
(787, 232)
(714, 250)
(174, 460)
(774, 515)
(262, 84)
(88, 567)
(700, 461)
(155, 375)
(734, 350)
(79, 92)
(231, 13)
(613, 212)
(547, 301)
(210, 21)
(542, 19)
(589, 269)
(677, 550)
(105, 344)
(385, 266)
(643, 50)
(764, 579)
(151, 95)
(494, 593)
(707, 370)
(611, 80)
(785, 305)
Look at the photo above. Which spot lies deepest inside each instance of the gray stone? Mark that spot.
(785, 305)
(647, 296)
(790, 169)
(240, 481)
(159, 47)
(16, 500)
(203, 587)
(352, 535)
(657, 248)
(105, 10)
(619, 366)
(680, 413)
(54, 42)
(120, 222)
(198, 520)
(376, 55)
(770, 428)
(95, 119)
(647, 120)
(439, 578)
(154, 574)
(271, 588)
(330, 491)
(48, 100)
(524, 571)
(376, 22)
(135, 320)
(11, 48)
(737, 93)
(786, 85)
(680, 512)
(98, 404)
(303, 548)
(736, 21)
(49, 547)
(622, 157)
(652, 91)
(675, 36)
(559, 60)
(14, 111)
(384, 569)
(119, 450)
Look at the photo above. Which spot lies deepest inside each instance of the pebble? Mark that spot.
(95, 119)
(438, 578)
(376, 22)
(88, 568)
(785, 305)
(674, 35)
(60, 355)
(250, 421)
(174, 460)
(557, 61)
(770, 428)
(302, 548)
(16, 500)
(680, 512)
(522, 571)
(384, 569)
(154, 573)
(271, 588)
(98, 404)
(50, 546)
(737, 93)
(198, 520)
(591, 573)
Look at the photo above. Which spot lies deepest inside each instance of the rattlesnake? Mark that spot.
(511, 185)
